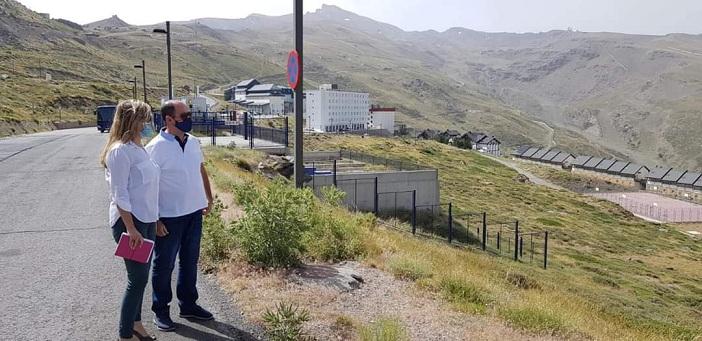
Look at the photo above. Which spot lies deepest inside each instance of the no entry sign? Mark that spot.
(293, 69)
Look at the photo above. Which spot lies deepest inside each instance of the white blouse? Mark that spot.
(133, 179)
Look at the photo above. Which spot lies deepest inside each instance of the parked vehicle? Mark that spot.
(104, 115)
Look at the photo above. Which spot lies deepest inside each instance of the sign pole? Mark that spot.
(299, 161)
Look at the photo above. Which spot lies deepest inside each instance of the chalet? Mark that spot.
(563, 159)
(520, 150)
(448, 136)
(654, 179)
(428, 134)
(482, 142)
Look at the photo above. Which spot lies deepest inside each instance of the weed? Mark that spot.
(412, 269)
(464, 294)
(217, 242)
(533, 319)
(385, 329)
(285, 323)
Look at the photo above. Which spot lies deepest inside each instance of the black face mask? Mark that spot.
(186, 125)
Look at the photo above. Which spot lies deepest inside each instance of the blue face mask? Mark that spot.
(186, 125)
(148, 131)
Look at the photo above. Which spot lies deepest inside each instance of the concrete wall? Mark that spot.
(674, 191)
(425, 182)
(322, 155)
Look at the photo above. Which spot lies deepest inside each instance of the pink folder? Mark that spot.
(140, 254)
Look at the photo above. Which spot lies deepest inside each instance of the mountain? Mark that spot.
(113, 22)
(628, 96)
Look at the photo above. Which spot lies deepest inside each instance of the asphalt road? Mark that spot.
(59, 279)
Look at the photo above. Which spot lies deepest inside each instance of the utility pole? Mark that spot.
(299, 161)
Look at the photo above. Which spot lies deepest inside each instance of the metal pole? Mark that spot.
(484, 244)
(168, 46)
(299, 167)
(450, 223)
(214, 133)
(545, 249)
(286, 131)
(516, 240)
(143, 76)
(334, 177)
(134, 89)
(375, 190)
(414, 211)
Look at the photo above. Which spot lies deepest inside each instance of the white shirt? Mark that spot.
(133, 180)
(181, 189)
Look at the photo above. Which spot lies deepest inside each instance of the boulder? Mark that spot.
(275, 165)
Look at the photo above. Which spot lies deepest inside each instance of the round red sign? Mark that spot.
(293, 69)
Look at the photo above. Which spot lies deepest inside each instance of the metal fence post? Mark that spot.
(516, 240)
(450, 223)
(484, 241)
(545, 248)
(246, 126)
(214, 133)
(521, 247)
(334, 176)
(286, 131)
(252, 132)
(375, 190)
(499, 233)
(414, 211)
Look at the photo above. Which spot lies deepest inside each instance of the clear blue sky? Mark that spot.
(627, 16)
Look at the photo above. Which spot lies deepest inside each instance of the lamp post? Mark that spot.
(134, 83)
(143, 75)
(167, 32)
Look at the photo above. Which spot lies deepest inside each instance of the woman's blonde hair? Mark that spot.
(129, 115)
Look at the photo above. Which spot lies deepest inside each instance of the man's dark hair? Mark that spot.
(168, 109)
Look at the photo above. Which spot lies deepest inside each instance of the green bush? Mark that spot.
(217, 241)
(384, 329)
(285, 323)
(276, 219)
(335, 234)
(464, 294)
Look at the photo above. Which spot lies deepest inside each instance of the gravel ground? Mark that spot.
(423, 316)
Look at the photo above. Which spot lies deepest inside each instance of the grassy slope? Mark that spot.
(612, 276)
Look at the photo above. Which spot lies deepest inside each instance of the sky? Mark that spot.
(625, 16)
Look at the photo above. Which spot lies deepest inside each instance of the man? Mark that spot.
(184, 196)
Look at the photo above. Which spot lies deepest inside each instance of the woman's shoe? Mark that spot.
(144, 337)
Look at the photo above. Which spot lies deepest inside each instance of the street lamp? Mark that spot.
(134, 83)
(167, 32)
(143, 74)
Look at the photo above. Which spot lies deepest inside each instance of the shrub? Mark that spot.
(409, 269)
(285, 323)
(464, 294)
(533, 319)
(384, 329)
(335, 234)
(217, 241)
(276, 219)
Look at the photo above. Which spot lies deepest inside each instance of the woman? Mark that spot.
(133, 180)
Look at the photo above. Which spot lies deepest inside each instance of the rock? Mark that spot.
(522, 178)
(274, 165)
(340, 276)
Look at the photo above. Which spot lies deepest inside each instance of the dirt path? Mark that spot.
(533, 178)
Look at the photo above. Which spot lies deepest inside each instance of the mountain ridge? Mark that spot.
(610, 94)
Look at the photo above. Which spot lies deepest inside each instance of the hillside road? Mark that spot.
(58, 276)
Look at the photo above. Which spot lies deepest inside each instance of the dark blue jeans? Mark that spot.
(137, 277)
(183, 240)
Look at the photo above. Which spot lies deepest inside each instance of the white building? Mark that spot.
(382, 118)
(332, 110)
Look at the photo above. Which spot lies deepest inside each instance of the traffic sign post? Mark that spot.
(296, 66)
